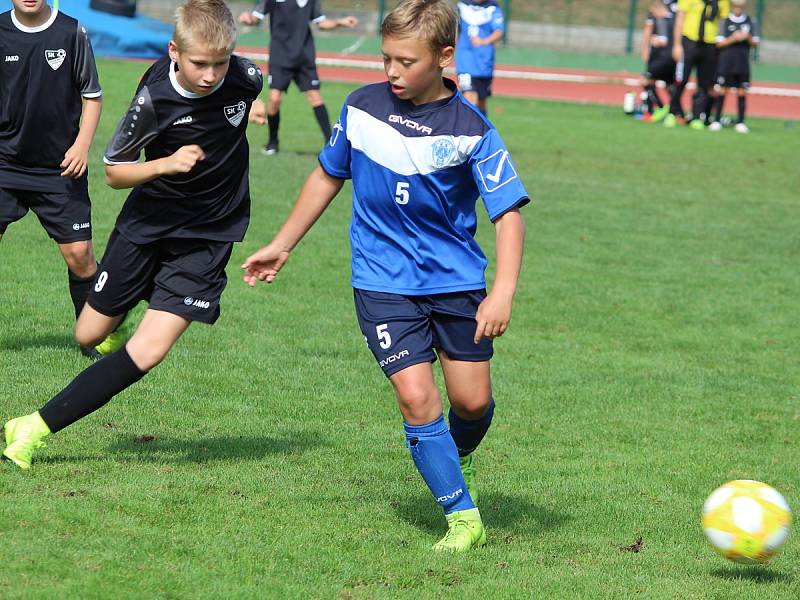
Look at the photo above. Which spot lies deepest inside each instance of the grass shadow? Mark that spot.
(758, 574)
(50, 340)
(205, 449)
(511, 513)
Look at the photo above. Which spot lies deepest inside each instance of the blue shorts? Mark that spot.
(480, 85)
(404, 330)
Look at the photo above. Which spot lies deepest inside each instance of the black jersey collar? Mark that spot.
(38, 28)
(184, 92)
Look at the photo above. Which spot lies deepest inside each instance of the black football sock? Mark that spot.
(742, 108)
(273, 122)
(718, 102)
(321, 113)
(652, 96)
(91, 389)
(79, 288)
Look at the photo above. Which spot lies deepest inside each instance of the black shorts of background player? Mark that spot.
(737, 34)
(174, 235)
(292, 57)
(657, 56)
(51, 102)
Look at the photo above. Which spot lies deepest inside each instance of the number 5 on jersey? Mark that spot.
(401, 192)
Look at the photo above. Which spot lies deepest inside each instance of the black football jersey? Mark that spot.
(736, 57)
(45, 72)
(212, 201)
(662, 28)
(291, 41)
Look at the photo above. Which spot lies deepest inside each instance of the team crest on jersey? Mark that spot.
(442, 151)
(235, 113)
(55, 58)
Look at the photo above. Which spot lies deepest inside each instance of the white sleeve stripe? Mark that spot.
(108, 161)
(258, 15)
(92, 94)
(319, 19)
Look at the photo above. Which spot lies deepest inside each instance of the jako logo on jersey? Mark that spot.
(394, 357)
(235, 113)
(79, 226)
(189, 301)
(55, 58)
(12, 58)
(409, 123)
(183, 120)
(452, 496)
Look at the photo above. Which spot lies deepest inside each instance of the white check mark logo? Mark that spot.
(495, 177)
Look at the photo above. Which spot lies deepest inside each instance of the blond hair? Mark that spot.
(204, 23)
(434, 21)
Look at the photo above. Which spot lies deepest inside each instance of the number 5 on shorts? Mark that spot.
(384, 338)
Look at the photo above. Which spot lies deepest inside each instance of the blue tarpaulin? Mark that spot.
(136, 37)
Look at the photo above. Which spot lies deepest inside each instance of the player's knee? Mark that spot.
(147, 356)
(88, 335)
(473, 405)
(80, 258)
(416, 400)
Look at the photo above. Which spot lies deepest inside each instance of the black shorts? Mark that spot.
(403, 330)
(661, 68)
(701, 57)
(184, 277)
(733, 80)
(480, 85)
(65, 217)
(305, 76)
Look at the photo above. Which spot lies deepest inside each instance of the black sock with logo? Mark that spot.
(91, 389)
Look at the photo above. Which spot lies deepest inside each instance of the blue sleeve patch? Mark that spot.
(496, 170)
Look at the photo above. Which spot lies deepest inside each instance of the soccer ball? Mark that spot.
(746, 521)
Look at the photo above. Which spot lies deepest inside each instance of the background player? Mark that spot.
(48, 81)
(657, 55)
(481, 27)
(737, 34)
(694, 48)
(292, 57)
(419, 156)
(176, 230)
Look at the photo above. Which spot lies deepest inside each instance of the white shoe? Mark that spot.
(715, 126)
(742, 128)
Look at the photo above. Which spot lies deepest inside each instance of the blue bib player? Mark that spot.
(419, 156)
(481, 26)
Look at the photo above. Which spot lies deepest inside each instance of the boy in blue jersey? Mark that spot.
(481, 27)
(419, 155)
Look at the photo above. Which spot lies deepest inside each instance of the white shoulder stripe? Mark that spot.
(423, 155)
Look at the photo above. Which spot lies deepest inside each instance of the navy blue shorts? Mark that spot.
(404, 330)
(480, 85)
(184, 277)
(66, 218)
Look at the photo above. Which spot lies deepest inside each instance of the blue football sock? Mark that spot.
(468, 434)
(436, 459)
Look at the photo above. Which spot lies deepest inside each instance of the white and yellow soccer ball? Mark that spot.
(746, 521)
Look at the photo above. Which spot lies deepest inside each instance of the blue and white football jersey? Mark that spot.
(417, 173)
(478, 19)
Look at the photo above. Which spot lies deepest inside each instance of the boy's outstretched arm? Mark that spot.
(315, 196)
(494, 313)
(76, 158)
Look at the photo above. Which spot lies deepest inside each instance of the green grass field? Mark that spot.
(652, 356)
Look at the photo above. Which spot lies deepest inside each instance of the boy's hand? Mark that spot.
(476, 41)
(348, 22)
(75, 161)
(493, 316)
(677, 53)
(264, 264)
(258, 112)
(184, 159)
(248, 18)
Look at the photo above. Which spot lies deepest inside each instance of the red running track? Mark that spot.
(775, 100)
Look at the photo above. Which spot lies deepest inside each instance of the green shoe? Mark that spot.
(112, 343)
(670, 121)
(660, 114)
(468, 471)
(697, 125)
(23, 436)
(464, 531)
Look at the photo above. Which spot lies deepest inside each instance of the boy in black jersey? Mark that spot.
(50, 104)
(737, 34)
(657, 55)
(190, 202)
(292, 57)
